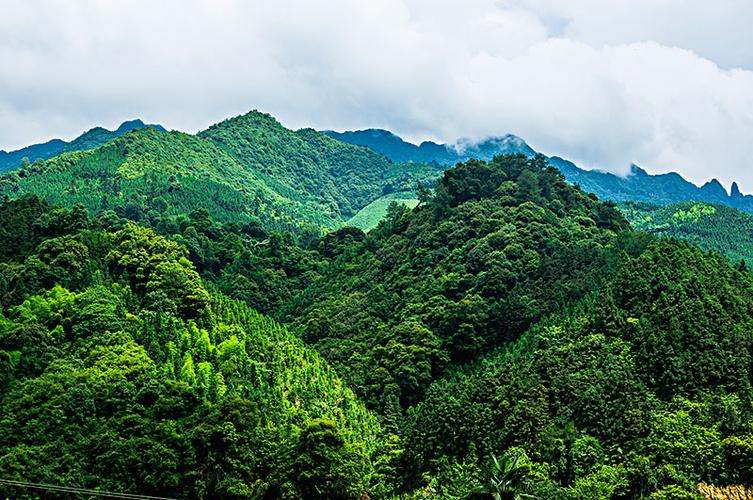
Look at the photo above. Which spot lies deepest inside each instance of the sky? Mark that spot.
(665, 84)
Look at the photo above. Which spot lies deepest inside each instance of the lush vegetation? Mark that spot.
(121, 370)
(712, 227)
(642, 388)
(89, 140)
(472, 267)
(173, 321)
(248, 169)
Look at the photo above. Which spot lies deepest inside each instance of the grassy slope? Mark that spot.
(369, 216)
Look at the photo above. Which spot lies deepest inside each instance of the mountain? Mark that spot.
(401, 151)
(712, 227)
(88, 140)
(638, 185)
(395, 148)
(512, 321)
(660, 189)
(121, 369)
(98, 135)
(511, 334)
(14, 159)
(307, 165)
(248, 168)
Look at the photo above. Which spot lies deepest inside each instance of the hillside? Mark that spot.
(148, 171)
(246, 169)
(372, 214)
(88, 140)
(712, 227)
(120, 370)
(508, 315)
(618, 396)
(304, 165)
(638, 186)
(490, 255)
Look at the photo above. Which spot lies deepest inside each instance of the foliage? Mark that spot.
(136, 378)
(712, 227)
(507, 315)
(508, 478)
(474, 266)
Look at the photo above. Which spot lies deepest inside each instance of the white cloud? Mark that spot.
(601, 83)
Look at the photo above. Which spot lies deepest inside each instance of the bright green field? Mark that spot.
(370, 215)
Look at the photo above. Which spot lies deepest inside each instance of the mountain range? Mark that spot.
(247, 168)
(637, 186)
(334, 182)
(88, 140)
(192, 316)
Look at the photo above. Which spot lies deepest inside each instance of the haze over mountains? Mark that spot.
(638, 186)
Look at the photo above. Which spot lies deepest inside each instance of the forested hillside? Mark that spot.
(247, 169)
(640, 389)
(121, 370)
(88, 140)
(712, 227)
(171, 330)
(306, 164)
(512, 316)
(497, 247)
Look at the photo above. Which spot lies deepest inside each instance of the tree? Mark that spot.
(508, 478)
(327, 465)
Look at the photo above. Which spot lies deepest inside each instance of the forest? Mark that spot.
(190, 317)
(710, 226)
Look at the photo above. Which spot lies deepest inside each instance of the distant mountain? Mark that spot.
(637, 186)
(401, 151)
(661, 189)
(395, 148)
(88, 140)
(13, 159)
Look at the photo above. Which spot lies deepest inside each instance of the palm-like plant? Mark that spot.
(508, 478)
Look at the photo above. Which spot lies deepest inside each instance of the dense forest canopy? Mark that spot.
(498, 246)
(712, 227)
(176, 319)
(122, 371)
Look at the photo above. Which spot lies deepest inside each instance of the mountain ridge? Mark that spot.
(94, 137)
(243, 169)
(637, 186)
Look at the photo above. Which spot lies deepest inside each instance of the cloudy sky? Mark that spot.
(667, 84)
